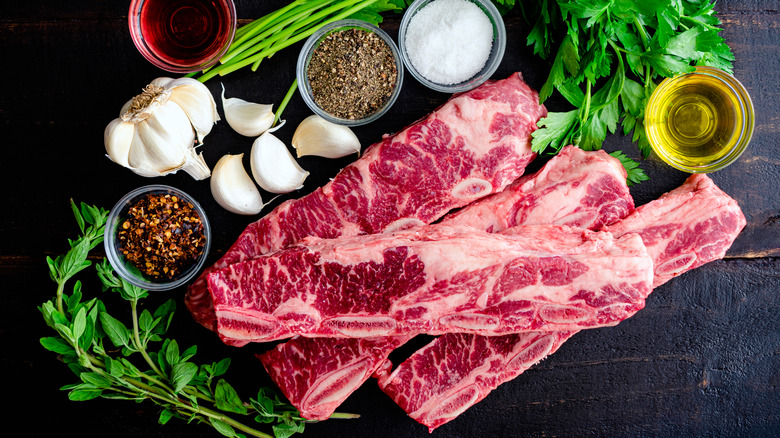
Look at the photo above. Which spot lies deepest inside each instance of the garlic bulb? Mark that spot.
(247, 118)
(317, 136)
(274, 167)
(232, 187)
(156, 131)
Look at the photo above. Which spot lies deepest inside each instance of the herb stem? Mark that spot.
(285, 101)
(137, 340)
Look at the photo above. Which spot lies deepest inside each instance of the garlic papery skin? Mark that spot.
(247, 118)
(317, 136)
(156, 131)
(232, 187)
(274, 167)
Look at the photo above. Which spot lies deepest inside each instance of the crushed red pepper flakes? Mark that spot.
(161, 235)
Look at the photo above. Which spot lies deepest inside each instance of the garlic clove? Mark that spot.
(232, 187)
(247, 118)
(117, 137)
(197, 102)
(160, 143)
(317, 136)
(274, 167)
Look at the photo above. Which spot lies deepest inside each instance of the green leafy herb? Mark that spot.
(635, 174)
(134, 361)
(610, 56)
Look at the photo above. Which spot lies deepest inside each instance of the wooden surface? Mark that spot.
(701, 359)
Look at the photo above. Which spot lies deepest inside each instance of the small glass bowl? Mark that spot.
(123, 267)
(739, 137)
(145, 15)
(491, 65)
(311, 45)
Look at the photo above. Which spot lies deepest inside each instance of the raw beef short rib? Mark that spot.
(474, 145)
(696, 222)
(455, 371)
(434, 279)
(685, 228)
(576, 188)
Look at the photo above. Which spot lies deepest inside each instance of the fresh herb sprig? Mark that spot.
(116, 361)
(610, 56)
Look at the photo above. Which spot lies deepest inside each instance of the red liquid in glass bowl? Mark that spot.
(182, 35)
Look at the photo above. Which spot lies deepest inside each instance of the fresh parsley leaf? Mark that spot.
(559, 128)
(635, 173)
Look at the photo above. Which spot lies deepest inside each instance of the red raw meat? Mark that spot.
(434, 279)
(696, 222)
(577, 188)
(685, 228)
(474, 145)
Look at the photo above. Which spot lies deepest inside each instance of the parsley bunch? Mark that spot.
(610, 55)
(116, 361)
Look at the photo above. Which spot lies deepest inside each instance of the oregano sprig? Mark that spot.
(135, 361)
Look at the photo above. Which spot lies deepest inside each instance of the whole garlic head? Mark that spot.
(156, 131)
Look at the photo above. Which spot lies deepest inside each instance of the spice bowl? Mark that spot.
(349, 72)
(157, 237)
(425, 26)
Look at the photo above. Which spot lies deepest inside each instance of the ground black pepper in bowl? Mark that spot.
(352, 73)
(161, 235)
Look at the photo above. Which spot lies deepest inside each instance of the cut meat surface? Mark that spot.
(576, 188)
(474, 145)
(698, 219)
(693, 224)
(434, 279)
(454, 372)
(319, 376)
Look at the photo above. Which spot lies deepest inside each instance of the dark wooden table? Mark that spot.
(701, 359)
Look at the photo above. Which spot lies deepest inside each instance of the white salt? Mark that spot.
(449, 41)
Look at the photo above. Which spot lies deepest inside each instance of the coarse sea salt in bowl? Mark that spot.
(452, 46)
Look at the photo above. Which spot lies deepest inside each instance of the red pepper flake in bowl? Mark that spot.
(161, 235)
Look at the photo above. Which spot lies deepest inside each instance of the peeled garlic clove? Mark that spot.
(274, 167)
(232, 187)
(247, 118)
(317, 136)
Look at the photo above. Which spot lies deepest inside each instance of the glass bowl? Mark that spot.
(492, 63)
(182, 36)
(718, 115)
(313, 42)
(126, 269)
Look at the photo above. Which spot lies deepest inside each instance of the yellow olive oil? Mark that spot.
(696, 122)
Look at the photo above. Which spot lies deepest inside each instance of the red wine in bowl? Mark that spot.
(182, 35)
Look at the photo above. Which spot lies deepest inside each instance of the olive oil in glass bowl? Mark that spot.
(699, 122)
